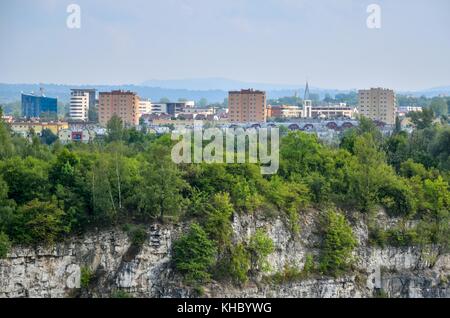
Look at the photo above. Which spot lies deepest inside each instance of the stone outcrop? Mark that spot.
(146, 271)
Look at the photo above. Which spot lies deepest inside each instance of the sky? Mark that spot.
(268, 41)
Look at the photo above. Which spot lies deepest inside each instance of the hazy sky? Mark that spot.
(272, 41)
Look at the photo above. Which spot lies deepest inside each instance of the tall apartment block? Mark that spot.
(124, 104)
(247, 106)
(81, 100)
(377, 104)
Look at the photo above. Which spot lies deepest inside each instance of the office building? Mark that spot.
(377, 104)
(124, 104)
(34, 106)
(247, 106)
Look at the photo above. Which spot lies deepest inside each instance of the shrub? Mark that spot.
(194, 254)
(309, 266)
(136, 233)
(121, 294)
(85, 277)
(260, 247)
(289, 274)
(338, 244)
(5, 245)
(218, 220)
(239, 264)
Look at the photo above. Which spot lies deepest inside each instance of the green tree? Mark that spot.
(159, 194)
(439, 106)
(218, 220)
(194, 255)
(115, 129)
(337, 244)
(368, 174)
(48, 137)
(203, 102)
(423, 119)
(38, 222)
(27, 179)
(7, 146)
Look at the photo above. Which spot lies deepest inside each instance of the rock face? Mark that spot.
(146, 272)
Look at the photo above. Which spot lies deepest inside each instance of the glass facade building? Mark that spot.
(39, 106)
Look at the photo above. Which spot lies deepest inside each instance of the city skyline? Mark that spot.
(281, 42)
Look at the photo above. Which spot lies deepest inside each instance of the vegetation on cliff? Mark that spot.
(48, 192)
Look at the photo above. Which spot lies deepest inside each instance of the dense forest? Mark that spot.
(50, 192)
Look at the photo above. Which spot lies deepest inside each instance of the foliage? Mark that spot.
(194, 255)
(260, 246)
(38, 222)
(137, 234)
(86, 276)
(121, 294)
(338, 244)
(49, 190)
(218, 220)
(239, 264)
(5, 245)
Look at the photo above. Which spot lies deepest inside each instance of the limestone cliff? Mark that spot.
(146, 272)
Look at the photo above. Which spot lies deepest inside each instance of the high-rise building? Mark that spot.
(81, 100)
(34, 106)
(247, 106)
(377, 104)
(124, 104)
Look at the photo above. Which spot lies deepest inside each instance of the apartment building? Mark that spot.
(81, 100)
(377, 104)
(145, 106)
(247, 106)
(124, 104)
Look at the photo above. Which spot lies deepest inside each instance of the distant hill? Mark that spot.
(215, 90)
(172, 90)
(213, 83)
(431, 92)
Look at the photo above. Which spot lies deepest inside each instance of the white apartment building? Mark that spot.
(378, 104)
(80, 102)
(145, 106)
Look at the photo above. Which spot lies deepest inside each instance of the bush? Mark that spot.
(260, 247)
(309, 266)
(136, 233)
(121, 294)
(239, 264)
(5, 245)
(85, 277)
(338, 244)
(218, 220)
(194, 254)
(289, 274)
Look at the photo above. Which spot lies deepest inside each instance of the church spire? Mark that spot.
(306, 97)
